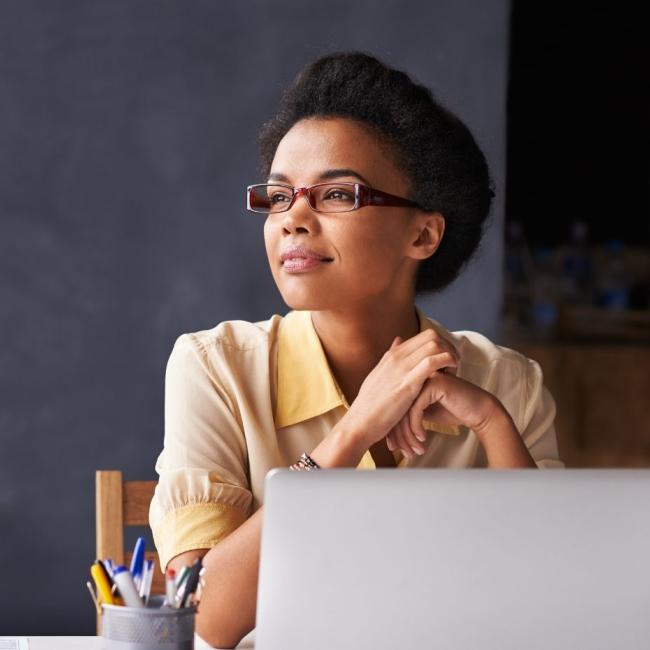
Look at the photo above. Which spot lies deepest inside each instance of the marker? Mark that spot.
(191, 583)
(101, 582)
(199, 590)
(170, 588)
(137, 561)
(125, 584)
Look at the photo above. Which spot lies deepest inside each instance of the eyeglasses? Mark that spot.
(323, 197)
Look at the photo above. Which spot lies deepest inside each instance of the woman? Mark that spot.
(372, 193)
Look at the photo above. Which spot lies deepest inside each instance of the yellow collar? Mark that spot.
(306, 386)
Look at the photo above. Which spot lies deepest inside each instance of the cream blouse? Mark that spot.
(242, 398)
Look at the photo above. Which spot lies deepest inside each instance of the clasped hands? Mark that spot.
(415, 380)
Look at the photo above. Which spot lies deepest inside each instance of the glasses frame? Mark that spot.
(364, 195)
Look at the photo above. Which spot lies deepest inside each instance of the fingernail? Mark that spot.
(420, 437)
(418, 451)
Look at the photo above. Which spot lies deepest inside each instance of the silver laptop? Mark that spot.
(455, 559)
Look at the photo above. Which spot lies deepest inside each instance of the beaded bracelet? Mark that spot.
(305, 462)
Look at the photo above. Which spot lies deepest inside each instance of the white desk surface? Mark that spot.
(94, 643)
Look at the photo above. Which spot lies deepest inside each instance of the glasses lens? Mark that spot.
(333, 197)
(270, 198)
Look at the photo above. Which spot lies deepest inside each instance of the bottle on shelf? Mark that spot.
(613, 282)
(543, 312)
(519, 269)
(577, 281)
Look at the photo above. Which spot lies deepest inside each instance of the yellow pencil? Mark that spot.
(102, 584)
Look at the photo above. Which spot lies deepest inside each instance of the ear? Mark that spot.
(430, 227)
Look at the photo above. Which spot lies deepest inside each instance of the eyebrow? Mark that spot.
(326, 175)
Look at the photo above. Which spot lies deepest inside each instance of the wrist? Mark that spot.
(497, 422)
(342, 447)
(502, 441)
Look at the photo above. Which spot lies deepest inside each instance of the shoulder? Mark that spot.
(479, 352)
(235, 334)
(224, 347)
(510, 375)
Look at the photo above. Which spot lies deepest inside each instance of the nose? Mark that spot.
(299, 217)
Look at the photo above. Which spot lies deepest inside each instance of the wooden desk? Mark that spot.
(94, 643)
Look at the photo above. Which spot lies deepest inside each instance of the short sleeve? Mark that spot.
(538, 409)
(203, 492)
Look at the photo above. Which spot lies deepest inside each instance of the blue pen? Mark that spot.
(137, 561)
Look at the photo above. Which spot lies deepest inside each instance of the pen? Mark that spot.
(147, 578)
(137, 561)
(92, 595)
(126, 587)
(180, 577)
(101, 582)
(106, 572)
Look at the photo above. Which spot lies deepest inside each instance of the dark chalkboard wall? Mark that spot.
(127, 134)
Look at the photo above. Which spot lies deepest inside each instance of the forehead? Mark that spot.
(314, 145)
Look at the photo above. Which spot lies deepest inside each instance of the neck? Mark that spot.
(354, 340)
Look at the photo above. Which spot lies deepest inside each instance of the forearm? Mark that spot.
(342, 447)
(227, 610)
(503, 444)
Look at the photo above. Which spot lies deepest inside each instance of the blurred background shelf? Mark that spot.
(594, 324)
(602, 392)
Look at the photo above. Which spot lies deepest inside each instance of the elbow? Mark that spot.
(220, 641)
(215, 642)
(219, 636)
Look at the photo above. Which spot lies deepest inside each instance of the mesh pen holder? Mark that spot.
(147, 628)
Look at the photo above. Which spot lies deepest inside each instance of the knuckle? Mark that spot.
(432, 346)
(431, 335)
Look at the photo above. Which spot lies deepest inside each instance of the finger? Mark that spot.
(413, 445)
(401, 443)
(440, 415)
(422, 401)
(411, 438)
(417, 341)
(430, 394)
(428, 367)
(432, 348)
(415, 417)
(429, 337)
(393, 346)
(390, 442)
(450, 371)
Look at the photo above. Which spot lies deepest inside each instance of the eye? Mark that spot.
(339, 195)
(279, 197)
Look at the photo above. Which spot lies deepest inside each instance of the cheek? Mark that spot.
(372, 244)
(270, 237)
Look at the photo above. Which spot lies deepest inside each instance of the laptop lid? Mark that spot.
(455, 559)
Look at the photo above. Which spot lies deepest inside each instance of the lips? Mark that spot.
(294, 254)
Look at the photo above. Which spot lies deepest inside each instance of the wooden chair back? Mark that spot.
(118, 504)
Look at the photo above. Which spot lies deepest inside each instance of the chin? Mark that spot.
(304, 299)
(304, 303)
